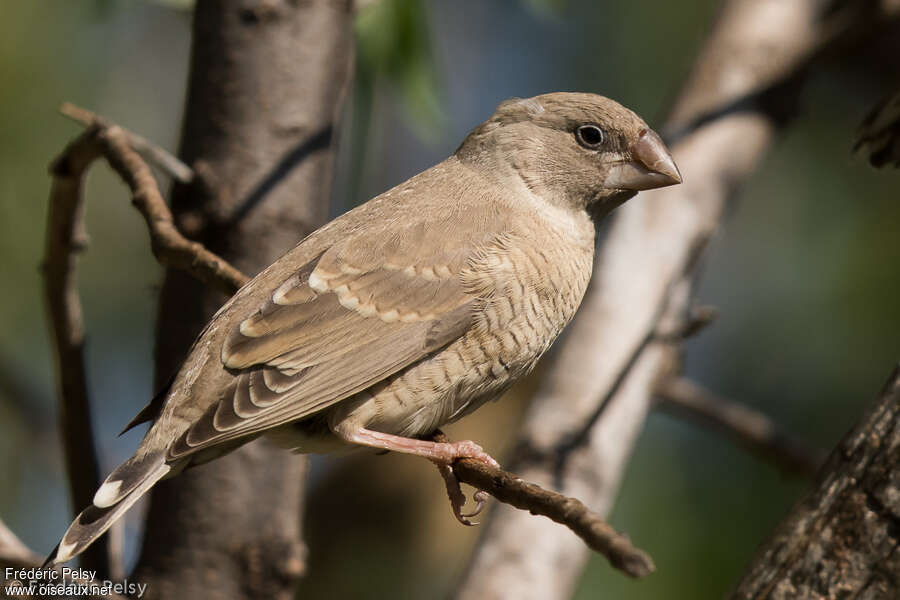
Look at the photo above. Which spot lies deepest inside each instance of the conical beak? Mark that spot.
(652, 166)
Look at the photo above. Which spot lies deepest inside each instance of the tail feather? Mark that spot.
(126, 478)
(95, 520)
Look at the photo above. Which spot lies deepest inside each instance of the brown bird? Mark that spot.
(407, 312)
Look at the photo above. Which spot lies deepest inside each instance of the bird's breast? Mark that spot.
(534, 290)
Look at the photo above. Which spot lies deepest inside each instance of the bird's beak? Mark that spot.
(652, 166)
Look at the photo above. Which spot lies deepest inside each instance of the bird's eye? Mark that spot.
(590, 136)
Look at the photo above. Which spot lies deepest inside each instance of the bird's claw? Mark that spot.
(458, 498)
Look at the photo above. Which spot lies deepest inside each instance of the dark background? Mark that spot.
(805, 272)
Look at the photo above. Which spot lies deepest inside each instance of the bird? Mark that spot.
(409, 311)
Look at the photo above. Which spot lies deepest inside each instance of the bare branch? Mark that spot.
(66, 236)
(571, 512)
(607, 368)
(171, 248)
(843, 539)
(17, 556)
(13, 553)
(748, 427)
(156, 155)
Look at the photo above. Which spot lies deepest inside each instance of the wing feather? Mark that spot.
(334, 328)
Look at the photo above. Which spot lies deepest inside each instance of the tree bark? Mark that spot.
(267, 80)
(843, 540)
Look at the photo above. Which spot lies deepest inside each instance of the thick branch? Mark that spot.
(748, 427)
(843, 540)
(605, 372)
(267, 80)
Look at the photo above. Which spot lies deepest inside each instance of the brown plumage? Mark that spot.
(409, 311)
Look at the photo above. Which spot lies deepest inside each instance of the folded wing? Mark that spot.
(343, 322)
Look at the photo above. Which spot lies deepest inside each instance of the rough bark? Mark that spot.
(843, 539)
(594, 398)
(267, 79)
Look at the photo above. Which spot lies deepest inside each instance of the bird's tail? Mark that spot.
(122, 488)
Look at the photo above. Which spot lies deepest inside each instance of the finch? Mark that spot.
(408, 312)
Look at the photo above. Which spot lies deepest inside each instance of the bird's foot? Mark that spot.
(448, 452)
(442, 453)
(437, 452)
(458, 498)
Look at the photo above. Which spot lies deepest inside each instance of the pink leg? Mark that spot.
(438, 452)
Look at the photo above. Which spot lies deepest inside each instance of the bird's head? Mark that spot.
(573, 149)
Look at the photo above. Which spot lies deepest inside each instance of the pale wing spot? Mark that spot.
(367, 310)
(410, 317)
(410, 270)
(347, 300)
(278, 296)
(317, 283)
(293, 291)
(429, 274)
(389, 316)
(248, 330)
(443, 271)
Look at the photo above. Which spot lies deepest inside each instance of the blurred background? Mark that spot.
(804, 273)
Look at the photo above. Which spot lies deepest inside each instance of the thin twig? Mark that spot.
(14, 553)
(171, 248)
(750, 428)
(571, 512)
(17, 561)
(156, 155)
(66, 236)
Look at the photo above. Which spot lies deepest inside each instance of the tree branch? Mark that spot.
(153, 153)
(17, 556)
(66, 236)
(607, 368)
(571, 512)
(748, 427)
(843, 539)
(13, 553)
(265, 93)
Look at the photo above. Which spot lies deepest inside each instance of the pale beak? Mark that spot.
(652, 166)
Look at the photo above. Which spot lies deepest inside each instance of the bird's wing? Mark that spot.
(353, 316)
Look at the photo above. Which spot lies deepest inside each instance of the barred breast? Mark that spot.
(529, 287)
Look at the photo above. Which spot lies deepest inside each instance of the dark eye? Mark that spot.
(590, 136)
